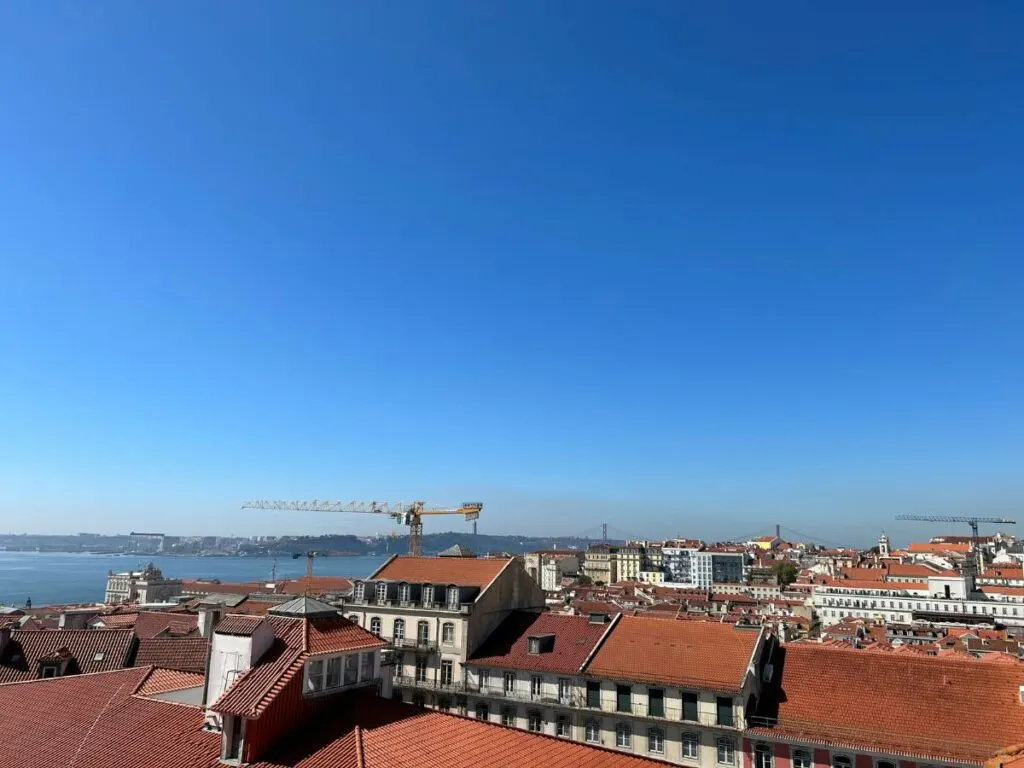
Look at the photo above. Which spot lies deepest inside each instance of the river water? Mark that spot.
(50, 577)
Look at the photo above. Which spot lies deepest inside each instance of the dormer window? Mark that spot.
(533, 645)
(428, 594)
(403, 592)
(540, 643)
(382, 592)
(453, 598)
(48, 670)
(360, 592)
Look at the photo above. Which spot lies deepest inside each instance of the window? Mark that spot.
(655, 702)
(375, 626)
(623, 736)
(563, 689)
(444, 703)
(656, 741)
(421, 669)
(316, 675)
(562, 726)
(422, 632)
(448, 633)
(623, 694)
(691, 746)
(354, 618)
(508, 716)
(724, 705)
(841, 761)
(533, 721)
(762, 756)
(593, 694)
(351, 669)
(481, 711)
(334, 672)
(726, 752)
(360, 592)
(592, 731)
(419, 700)
(485, 679)
(536, 683)
(509, 683)
(428, 594)
(885, 764)
(403, 593)
(690, 707)
(398, 633)
(382, 592)
(366, 665)
(533, 645)
(453, 598)
(98, 656)
(446, 672)
(49, 671)
(801, 759)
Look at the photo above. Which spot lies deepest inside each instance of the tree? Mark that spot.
(583, 580)
(785, 572)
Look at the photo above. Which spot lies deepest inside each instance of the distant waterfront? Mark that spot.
(77, 578)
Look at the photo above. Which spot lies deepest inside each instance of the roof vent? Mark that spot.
(597, 618)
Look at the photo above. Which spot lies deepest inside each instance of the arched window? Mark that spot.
(801, 758)
(382, 592)
(398, 634)
(841, 761)
(762, 756)
(691, 746)
(656, 741)
(375, 625)
(359, 592)
(428, 594)
(423, 632)
(453, 598)
(623, 735)
(403, 593)
(448, 633)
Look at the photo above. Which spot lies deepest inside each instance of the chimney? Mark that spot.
(209, 618)
(5, 637)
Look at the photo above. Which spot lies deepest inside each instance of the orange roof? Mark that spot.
(463, 571)
(898, 703)
(689, 654)
(923, 547)
(166, 680)
(185, 654)
(317, 585)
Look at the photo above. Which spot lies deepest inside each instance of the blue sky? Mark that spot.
(688, 268)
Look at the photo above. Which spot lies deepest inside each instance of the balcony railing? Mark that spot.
(578, 700)
(455, 686)
(413, 644)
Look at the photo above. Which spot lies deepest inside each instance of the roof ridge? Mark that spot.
(145, 677)
(360, 760)
(65, 678)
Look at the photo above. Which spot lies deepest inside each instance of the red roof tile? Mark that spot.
(463, 571)
(575, 637)
(336, 635)
(690, 654)
(318, 585)
(238, 625)
(166, 680)
(23, 652)
(185, 654)
(900, 703)
(94, 721)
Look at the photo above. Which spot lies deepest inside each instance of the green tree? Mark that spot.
(583, 580)
(785, 572)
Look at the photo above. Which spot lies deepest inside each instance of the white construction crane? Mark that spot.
(406, 513)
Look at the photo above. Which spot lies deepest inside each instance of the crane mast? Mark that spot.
(979, 559)
(406, 513)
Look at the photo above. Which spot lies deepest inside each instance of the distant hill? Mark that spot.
(432, 544)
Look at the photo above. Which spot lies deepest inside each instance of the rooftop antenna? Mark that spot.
(604, 532)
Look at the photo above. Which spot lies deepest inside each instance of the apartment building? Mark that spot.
(829, 707)
(935, 599)
(601, 563)
(670, 690)
(549, 566)
(434, 612)
(697, 569)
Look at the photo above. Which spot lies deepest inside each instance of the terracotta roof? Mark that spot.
(463, 571)
(92, 650)
(185, 654)
(238, 625)
(922, 547)
(154, 623)
(118, 620)
(99, 723)
(574, 639)
(900, 703)
(166, 680)
(192, 587)
(690, 654)
(368, 732)
(318, 585)
(338, 634)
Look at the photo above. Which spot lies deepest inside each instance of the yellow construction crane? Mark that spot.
(407, 513)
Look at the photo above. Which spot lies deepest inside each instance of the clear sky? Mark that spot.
(684, 267)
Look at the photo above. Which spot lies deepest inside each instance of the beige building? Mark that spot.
(435, 611)
(671, 690)
(145, 586)
(600, 563)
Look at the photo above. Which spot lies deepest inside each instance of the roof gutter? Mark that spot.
(600, 642)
